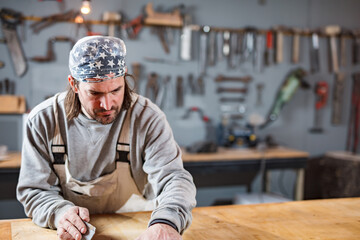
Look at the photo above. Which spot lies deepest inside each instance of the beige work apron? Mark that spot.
(113, 192)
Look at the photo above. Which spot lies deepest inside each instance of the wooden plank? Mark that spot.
(28, 230)
(5, 230)
(317, 219)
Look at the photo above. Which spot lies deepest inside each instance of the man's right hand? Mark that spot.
(71, 225)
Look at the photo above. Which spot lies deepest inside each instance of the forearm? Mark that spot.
(44, 207)
(171, 184)
(176, 201)
(38, 188)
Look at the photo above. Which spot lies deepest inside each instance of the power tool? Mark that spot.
(285, 93)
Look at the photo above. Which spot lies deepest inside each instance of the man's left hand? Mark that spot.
(160, 231)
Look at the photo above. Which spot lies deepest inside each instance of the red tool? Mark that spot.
(203, 117)
(354, 121)
(321, 92)
(133, 27)
(269, 47)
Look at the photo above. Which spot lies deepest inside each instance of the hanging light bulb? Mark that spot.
(85, 7)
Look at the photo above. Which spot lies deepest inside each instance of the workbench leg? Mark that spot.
(266, 182)
(248, 188)
(299, 191)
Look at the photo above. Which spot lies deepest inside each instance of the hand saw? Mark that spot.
(12, 39)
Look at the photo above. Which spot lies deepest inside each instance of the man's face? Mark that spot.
(103, 100)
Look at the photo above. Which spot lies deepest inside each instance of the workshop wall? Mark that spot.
(291, 129)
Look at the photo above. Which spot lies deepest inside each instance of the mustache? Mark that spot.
(101, 110)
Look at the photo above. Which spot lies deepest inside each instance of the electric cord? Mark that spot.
(281, 185)
(262, 147)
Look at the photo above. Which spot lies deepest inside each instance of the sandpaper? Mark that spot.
(90, 232)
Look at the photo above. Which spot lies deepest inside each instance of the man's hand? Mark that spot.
(160, 231)
(71, 224)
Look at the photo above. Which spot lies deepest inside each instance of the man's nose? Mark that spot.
(105, 102)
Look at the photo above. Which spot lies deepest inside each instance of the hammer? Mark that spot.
(332, 31)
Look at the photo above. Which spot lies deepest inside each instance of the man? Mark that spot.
(100, 148)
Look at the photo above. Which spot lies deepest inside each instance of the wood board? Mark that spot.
(317, 219)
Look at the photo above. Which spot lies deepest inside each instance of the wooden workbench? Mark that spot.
(12, 161)
(238, 154)
(223, 154)
(315, 219)
(9, 174)
(239, 166)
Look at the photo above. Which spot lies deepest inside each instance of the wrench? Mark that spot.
(222, 78)
(232, 90)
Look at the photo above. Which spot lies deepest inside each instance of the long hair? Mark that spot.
(73, 105)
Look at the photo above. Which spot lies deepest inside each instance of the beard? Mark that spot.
(99, 116)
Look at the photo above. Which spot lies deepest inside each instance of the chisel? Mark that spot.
(203, 49)
(356, 47)
(249, 44)
(337, 102)
(212, 48)
(232, 51)
(185, 43)
(219, 46)
(152, 87)
(343, 37)
(295, 45)
(269, 48)
(279, 53)
(186, 40)
(259, 88)
(259, 53)
(314, 54)
(179, 92)
(200, 85)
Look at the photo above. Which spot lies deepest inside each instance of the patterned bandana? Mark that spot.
(93, 58)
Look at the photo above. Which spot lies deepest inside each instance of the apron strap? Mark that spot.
(123, 145)
(58, 147)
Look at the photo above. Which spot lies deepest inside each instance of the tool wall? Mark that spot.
(240, 80)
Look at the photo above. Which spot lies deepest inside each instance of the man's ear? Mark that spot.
(72, 83)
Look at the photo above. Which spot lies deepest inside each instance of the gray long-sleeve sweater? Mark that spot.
(156, 162)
